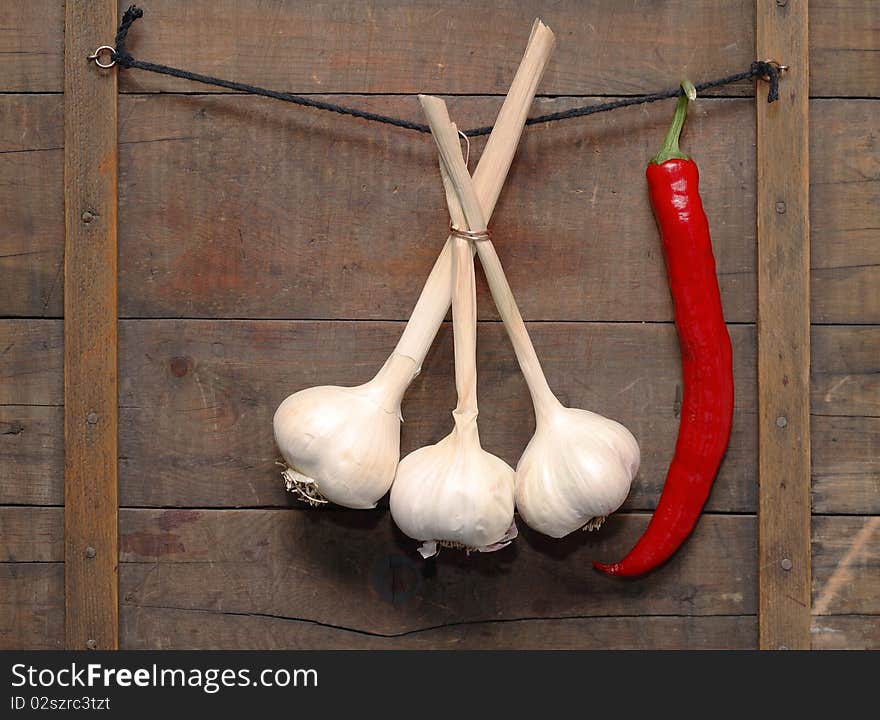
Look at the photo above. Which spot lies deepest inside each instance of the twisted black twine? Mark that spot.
(767, 70)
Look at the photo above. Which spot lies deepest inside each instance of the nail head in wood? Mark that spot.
(87, 216)
(780, 207)
(92, 418)
(92, 644)
(91, 552)
(786, 564)
(781, 421)
(782, 3)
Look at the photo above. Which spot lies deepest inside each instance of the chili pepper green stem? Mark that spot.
(670, 149)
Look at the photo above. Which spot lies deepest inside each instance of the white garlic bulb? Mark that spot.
(455, 493)
(576, 470)
(579, 466)
(341, 444)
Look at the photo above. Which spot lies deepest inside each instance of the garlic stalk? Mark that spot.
(578, 466)
(454, 493)
(342, 444)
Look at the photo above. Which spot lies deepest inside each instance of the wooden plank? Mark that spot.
(353, 217)
(355, 570)
(159, 628)
(846, 565)
(31, 534)
(90, 395)
(844, 185)
(846, 465)
(844, 372)
(31, 455)
(845, 405)
(31, 46)
(844, 41)
(389, 46)
(31, 362)
(31, 203)
(846, 632)
(197, 399)
(31, 606)
(784, 332)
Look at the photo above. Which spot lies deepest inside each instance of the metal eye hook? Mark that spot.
(96, 56)
(467, 147)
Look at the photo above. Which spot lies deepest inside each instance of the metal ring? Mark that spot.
(469, 234)
(96, 56)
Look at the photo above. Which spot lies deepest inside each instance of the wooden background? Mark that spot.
(264, 248)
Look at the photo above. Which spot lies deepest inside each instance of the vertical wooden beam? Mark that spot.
(90, 397)
(784, 331)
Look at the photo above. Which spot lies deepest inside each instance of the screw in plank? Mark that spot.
(92, 644)
(91, 552)
(92, 418)
(781, 421)
(87, 216)
(780, 207)
(786, 564)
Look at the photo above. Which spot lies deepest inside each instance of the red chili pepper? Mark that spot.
(707, 404)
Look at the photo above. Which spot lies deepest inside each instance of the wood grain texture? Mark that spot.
(31, 203)
(459, 46)
(846, 465)
(845, 409)
(846, 632)
(197, 399)
(844, 42)
(31, 534)
(355, 570)
(31, 455)
(163, 145)
(90, 395)
(846, 565)
(31, 419)
(843, 383)
(315, 48)
(159, 628)
(32, 46)
(31, 606)
(846, 554)
(844, 186)
(783, 209)
(31, 362)
(368, 201)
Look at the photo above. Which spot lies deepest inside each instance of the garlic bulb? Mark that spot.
(342, 444)
(579, 466)
(345, 440)
(576, 470)
(455, 493)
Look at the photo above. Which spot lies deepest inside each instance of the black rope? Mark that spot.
(767, 70)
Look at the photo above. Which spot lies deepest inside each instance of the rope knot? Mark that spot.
(121, 54)
(769, 71)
